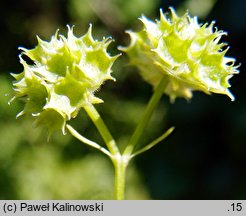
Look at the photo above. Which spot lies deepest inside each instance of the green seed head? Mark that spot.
(186, 53)
(63, 78)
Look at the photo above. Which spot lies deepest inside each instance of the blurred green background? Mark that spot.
(205, 157)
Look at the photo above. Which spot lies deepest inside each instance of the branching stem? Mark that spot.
(102, 128)
(146, 117)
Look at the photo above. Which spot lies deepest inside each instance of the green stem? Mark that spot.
(146, 116)
(120, 161)
(102, 128)
(120, 164)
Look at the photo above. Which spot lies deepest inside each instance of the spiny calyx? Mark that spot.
(63, 77)
(184, 52)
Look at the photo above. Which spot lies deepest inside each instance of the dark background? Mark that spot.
(205, 157)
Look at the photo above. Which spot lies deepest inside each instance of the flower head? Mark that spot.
(186, 53)
(63, 78)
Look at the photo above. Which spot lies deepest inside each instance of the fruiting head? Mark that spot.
(63, 77)
(186, 53)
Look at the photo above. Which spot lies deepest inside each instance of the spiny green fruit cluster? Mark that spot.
(184, 52)
(67, 71)
(65, 74)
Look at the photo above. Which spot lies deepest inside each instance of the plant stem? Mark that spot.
(120, 164)
(120, 161)
(102, 128)
(146, 116)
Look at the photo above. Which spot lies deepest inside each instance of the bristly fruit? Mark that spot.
(183, 51)
(63, 78)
